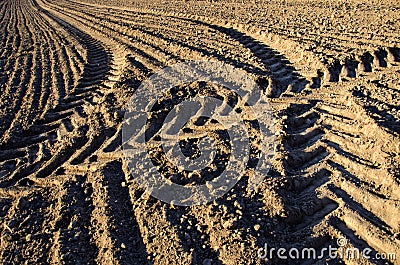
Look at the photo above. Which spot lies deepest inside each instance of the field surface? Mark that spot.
(331, 71)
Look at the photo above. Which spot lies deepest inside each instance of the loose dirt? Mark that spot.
(331, 70)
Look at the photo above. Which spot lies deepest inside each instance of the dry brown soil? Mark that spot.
(331, 70)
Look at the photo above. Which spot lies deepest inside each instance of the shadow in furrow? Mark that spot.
(128, 246)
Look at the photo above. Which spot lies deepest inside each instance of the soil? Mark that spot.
(330, 69)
